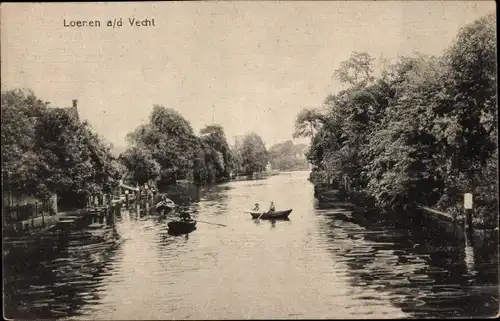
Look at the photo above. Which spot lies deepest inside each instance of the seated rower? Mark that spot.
(185, 216)
(272, 207)
(256, 208)
(161, 200)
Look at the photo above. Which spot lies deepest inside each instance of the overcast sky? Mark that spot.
(257, 63)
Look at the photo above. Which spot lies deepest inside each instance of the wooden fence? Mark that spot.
(18, 213)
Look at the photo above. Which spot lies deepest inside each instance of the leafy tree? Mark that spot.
(237, 160)
(357, 70)
(470, 114)
(47, 150)
(21, 164)
(424, 132)
(214, 138)
(283, 156)
(78, 159)
(170, 140)
(253, 153)
(307, 122)
(401, 152)
(179, 152)
(140, 165)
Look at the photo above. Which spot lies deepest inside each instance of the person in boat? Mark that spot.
(166, 201)
(185, 216)
(256, 208)
(161, 201)
(272, 208)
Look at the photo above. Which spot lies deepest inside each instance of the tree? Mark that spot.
(140, 165)
(46, 150)
(470, 115)
(21, 164)
(253, 153)
(79, 160)
(179, 152)
(402, 151)
(307, 122)
(237, 161)
(218, 148)
(357, 70)
(170, 140)
(472, 80)
(283, 156)
(424, 132)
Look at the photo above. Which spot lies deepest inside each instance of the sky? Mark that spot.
(250, 66)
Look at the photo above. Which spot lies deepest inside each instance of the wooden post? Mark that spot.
(468, 209)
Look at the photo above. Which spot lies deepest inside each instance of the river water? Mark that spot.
(325, 262)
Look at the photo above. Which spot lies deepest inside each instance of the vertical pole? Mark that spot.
(468, 211)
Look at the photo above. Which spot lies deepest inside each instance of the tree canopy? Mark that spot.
(140, 165)
(170, 140)
(424, 132)
(179, 153)
(251, 156)
(46, 150)
(308, 122)
(287, 156)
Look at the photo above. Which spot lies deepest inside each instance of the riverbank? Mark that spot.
(324, 193)
(57, 232)
(40, 222)
(37, 225)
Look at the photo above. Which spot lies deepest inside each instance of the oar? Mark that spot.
(211, 223)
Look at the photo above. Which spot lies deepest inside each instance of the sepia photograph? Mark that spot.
(230, 160)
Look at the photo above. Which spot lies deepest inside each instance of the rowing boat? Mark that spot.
(182, 226)
(271, 215)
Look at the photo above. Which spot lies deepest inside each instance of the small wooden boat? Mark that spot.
(181, 226)
(271, 215)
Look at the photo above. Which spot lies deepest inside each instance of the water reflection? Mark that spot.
(215, 199)
(61, 283)
(422, 272)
